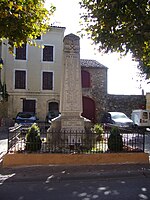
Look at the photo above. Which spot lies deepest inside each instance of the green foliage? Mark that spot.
(98, 129)
(3, 91)
(23, 20)
(115, 143)
(33, 140)
(120, 26)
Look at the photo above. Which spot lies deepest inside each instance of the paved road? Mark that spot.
(135, 188)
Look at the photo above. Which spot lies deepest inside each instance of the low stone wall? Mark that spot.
(119, 103)
(74, 159)
(125, 103)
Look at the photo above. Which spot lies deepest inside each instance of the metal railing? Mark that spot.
(14, 136)
(129, 140)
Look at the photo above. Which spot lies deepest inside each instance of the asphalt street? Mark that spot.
(76, 186)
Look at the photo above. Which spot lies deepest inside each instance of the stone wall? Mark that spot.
(98, 89)
(119, 103)
(110, 102)
(125, 103)
(98, 76)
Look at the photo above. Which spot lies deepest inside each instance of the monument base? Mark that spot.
(73, 124)
(64, 127)
(78, 123)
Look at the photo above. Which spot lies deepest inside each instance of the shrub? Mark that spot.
(98, 129)
(33, 140)
(115, 142)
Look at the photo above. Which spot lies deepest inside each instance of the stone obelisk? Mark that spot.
(71, 90)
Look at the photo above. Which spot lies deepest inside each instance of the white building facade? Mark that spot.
(33, 74)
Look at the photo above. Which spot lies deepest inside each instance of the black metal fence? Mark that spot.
(127, 140)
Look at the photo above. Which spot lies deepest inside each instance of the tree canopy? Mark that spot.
(23, 20)
(120, 26)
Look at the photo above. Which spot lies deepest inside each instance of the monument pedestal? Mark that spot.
(72, 124)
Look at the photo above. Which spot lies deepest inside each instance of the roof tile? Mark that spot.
(91, 63)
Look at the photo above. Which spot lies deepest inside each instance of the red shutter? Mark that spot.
(85, 79)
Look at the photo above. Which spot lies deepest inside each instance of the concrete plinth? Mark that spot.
(74, 159)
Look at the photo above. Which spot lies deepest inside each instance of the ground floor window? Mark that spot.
(29, 105)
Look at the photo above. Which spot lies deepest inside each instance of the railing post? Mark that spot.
(143, 141)
(8, 141)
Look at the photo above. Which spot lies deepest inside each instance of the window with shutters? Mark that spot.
(21, 53)
(47, 81)
(48, 53)
(85, 77)
(20, 79)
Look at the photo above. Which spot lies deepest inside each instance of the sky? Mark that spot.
(122, 72)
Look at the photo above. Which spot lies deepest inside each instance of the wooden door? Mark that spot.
(88, 108)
